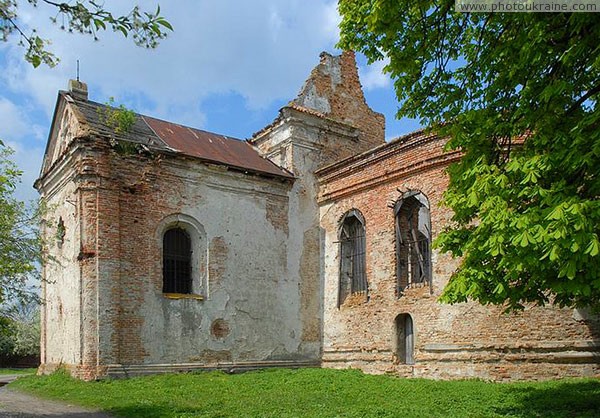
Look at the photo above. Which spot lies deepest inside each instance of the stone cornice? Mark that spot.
(427, 164)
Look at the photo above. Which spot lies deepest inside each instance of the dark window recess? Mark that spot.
(177, 261)
(353, 277)
(413, 241)
(405, 339)
(60, 232)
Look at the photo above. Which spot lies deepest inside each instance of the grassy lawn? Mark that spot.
(319, 393)
(17, 371)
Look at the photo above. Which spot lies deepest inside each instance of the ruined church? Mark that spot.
(309, 244)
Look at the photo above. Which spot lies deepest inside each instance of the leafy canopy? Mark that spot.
(20, 243)
(518, 94)
(20, 329)
(86, 17)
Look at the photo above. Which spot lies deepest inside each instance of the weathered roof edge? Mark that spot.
(240, 151)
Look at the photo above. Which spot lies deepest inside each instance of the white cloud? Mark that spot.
(17, 123)
(261, 50)
(331, 20)
(29, 160)
(12, 121)
(372, 76)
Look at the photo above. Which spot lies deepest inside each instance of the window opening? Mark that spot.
(353, 278)
(60, 232)
(177, 261)
(413, 241)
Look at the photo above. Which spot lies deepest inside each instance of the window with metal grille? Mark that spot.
(353, 277)
(413, 241)
(177, 261)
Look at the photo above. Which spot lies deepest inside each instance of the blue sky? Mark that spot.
(228, 67)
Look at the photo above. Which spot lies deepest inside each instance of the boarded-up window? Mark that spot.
(353, 277)
(177, 261)
(405, 339)
(413, 241)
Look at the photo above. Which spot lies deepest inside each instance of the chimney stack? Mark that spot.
(78, 89)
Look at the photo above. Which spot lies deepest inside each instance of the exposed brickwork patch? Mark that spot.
(217, 260)
(310, 287)
(277, 214)
(219, 328)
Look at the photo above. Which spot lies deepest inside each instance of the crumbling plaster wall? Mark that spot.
(251, 302)
(60, 339)
(249, 310)
(295, 147)
(105, 310)
(460, 341)
(68, 271)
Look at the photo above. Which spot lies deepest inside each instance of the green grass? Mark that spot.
(318, 393)
(17, 371)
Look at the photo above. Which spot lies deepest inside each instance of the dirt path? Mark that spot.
(17, 404)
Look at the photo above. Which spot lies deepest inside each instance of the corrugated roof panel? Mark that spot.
(213, 147)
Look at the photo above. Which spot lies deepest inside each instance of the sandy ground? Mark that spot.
(17, 404)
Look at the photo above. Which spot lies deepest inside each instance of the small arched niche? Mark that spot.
(405, 339)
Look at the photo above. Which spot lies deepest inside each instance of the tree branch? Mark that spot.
(594, 90)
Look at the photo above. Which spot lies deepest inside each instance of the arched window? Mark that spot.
(353, 277)
(413, 241)
(177, 261)
(405, 339)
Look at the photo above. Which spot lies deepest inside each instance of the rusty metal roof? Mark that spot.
(212, 147)
(165, 136)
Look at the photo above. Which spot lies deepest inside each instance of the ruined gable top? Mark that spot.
(332, 86)
(162, 136)
(333, 92)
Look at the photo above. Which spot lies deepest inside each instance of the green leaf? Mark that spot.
(574, 247)
(164, 23)
(593, 248)
(36, 60)
(99, 23)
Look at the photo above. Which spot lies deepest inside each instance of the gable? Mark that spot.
(67, 125)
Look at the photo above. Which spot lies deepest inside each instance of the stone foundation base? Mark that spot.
(131, 370)
(488, 364)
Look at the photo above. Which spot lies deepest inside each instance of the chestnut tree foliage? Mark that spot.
(86, 17)
(518, 94)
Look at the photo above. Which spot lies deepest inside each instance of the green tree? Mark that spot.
(20, 242)
(518, 94)
(86, 17)
(20, 329)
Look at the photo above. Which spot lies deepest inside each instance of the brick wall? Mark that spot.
(464, 340)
